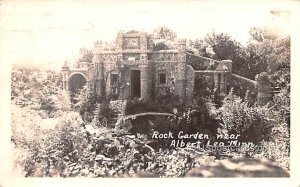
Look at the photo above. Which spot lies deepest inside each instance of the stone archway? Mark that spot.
(76, 82)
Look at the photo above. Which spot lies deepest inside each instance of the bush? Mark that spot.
(36, 89)
(265, 127)
(49, 150)
(278, 148)
(236, 116)
(71, 149)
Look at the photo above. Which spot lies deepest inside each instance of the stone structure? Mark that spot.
(133, 69)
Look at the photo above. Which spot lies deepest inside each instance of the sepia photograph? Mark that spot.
(147, 89)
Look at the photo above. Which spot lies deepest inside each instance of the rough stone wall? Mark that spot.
(241, 84)
(169, 68)
(190, 81)
(165, 55)
(173, 64)
(110, 66)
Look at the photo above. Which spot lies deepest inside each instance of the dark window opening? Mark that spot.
(149, 56)
(114, 79)
(162, 78)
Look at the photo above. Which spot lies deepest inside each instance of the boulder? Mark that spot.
(243, 167)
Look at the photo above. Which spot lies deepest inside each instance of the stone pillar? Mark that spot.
(228, 64)
(65, 78)
(119, 58)
(143, 41)
(67, 85)
(119, 42)
(98, 47)
(102, 85)
(216, 81)
(181, 70)
(64, 83)
(144, 81)
(181, 80)
(263, 87)
(223, 90)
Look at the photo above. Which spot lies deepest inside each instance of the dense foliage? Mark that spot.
(265, 51)
(251, 122)
(39, 90)
(262, 126)
(71, 149)
(163, 38)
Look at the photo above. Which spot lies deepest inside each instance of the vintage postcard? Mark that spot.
(110, 91)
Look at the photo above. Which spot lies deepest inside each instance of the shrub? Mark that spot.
(266, 127)
(72, 150)
(278, 148)
(238, 117)
(49, 150)
(36, 89)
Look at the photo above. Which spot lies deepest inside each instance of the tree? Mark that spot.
(165, 34)
(268, 51)
(224, 46)
(221, 46)
(164, 38)
(200, 47)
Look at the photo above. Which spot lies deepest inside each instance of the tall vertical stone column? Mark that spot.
(181, 80)
(144, 81)
(102, 83)
(65, 78)
(119, 41)
(119, 58)
(216, 81)
(181, 70)
(263, 87)
(223, 90)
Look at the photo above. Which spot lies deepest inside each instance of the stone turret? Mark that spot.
(65, 76)
(119, 41)
(98, 46)
(181, 44)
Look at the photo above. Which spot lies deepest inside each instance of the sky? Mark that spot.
(46, 33)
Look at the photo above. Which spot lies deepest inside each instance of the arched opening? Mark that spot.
(203, 86)
(77, 81)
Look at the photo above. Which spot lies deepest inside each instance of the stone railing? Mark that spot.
(244, 82)
(201, 63)
(261, 86)
(134, 116)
